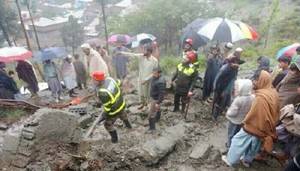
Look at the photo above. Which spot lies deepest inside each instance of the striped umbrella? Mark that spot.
(288, 51)
(224, 30)
(247, 30)
(10, 54)
(141, 38)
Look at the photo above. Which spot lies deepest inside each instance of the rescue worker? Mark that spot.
(157, 93)
(184, 79)
(188, 46)
(110, 95)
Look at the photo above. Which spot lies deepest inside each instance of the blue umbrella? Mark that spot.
(50, 53)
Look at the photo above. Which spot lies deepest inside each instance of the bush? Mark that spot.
(168, 64)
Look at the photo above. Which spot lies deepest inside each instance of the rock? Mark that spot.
(21, 161)
(56, 125)
(3, 126)
(214, 155)
(200, 150)
(85, 120)
(11, 141)
(186, 168)
(84, 166)
(156, 149)
(28, 135)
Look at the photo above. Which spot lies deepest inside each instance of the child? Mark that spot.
(284, 63)
(239, 107)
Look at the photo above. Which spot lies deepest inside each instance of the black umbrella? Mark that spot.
(190, 32)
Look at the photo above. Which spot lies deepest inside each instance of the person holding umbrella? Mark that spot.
(214, 63)
(8, 87)
(69, 75)
(120, 61)
(26, 73)
(52, 78)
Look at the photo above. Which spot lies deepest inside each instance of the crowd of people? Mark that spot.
(251, 105)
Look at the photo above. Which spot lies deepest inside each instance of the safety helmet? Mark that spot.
(191, 56)
(189, 41)
(98, 75)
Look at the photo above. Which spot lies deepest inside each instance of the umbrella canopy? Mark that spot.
(190, 32)
(119, 38)
(10, 54)
(142, 38)
(247, 30)
(288, 51)
(222, 30)
(50, 53)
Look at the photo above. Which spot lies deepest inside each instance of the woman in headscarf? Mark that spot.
(8, 87)
(26, 73)
(259, 126)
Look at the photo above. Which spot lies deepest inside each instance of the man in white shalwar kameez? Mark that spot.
(94, 60)
(69, 75)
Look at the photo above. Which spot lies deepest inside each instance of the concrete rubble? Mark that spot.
(21, 140)
(156, 149)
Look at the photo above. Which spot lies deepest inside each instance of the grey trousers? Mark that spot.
(232, 130)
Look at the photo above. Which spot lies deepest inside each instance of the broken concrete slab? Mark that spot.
(20, 161)
(85, 120)
(200, 150)
(156, 149)
(186, 168)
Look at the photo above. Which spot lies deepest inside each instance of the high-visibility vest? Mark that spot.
(188, 71)
(111, 97)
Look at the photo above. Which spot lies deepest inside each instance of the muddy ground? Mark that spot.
(102, 155)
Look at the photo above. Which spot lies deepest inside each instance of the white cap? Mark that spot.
(85, 46)
(239, 49)
(68, 57)
(229, 45)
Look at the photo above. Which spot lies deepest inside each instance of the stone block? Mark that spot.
(26, 151)
(28, 135)
(11, 142)
(21, 161)
(154, 150)
(200, 150)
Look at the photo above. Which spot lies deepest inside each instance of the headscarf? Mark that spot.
(263, 116)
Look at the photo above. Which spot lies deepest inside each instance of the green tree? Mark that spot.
(8, 22)
(72, 34)
(164, 19)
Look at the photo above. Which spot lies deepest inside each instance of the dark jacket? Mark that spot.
(279, 77)
(158, 89)
(184, 78)
(26, 73)
(8, 86)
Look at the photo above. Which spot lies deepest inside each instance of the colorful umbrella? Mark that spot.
(50, 53)
(141, 38)
(222, 30)
(10, 54)
(119, 38)
(288, 51)
(247, 30)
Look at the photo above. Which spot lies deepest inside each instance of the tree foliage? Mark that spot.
(163, 19)
(8, 22)
(72, 33)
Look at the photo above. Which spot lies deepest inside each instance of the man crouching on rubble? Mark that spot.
(110, 95)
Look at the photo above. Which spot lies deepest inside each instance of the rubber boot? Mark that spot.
(152, 124)
(127, 124)
(157, 117)
(71, 93)
(114, 136)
